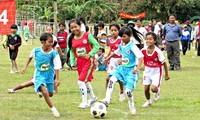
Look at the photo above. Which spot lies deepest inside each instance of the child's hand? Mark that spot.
(56, 82)
(119, 62)
(74, 68)
(167, 77)
(23, 71)
(11, 47)
(62, 54)
(105, 59)
(86, 56)
(135, 71)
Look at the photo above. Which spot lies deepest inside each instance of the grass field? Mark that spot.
(180, 96)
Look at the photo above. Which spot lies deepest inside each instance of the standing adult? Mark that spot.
(172, 33)
(197, 38)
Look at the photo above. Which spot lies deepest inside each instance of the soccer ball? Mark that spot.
(98, 110)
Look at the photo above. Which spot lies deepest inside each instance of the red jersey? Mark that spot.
(114, 46)
(156, 59)
(81, 46)
(62, 38)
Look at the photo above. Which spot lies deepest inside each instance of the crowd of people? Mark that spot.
(129, 46)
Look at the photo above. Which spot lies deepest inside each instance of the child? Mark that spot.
(153, 62)
(185, 39)
(26, 32)
(101, 32)
(83, 47)
(62, 41)
(47, 62)
(113, 43)
(13, 42)
(128, 71)
(100, 66)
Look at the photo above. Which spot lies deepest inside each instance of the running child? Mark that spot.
(47, 62)
(153, 62)
(13, 42)
(128, 71)
(113, 43)
(83, 47)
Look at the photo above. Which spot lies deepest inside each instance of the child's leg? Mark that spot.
(110, 88)
(156, 91)
(17, 70)
(12, 64)
(46, 96)
(147, 96)
(83, 90)
(22, 85)
(130, 101)
(107, 80)
(121, 96)
(93, 98)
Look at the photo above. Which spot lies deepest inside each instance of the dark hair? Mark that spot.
(173, 15)
(13, 26)
(78, 22)
(130, 31)
(138, 19)
(153, 35)
(115, 25)
(102, 49)
(62, 23)
(50, 27)
(45, 36)
(101, 24)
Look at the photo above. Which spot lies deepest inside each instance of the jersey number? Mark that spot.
(3, 17)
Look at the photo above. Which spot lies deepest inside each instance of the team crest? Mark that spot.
(128, 51)
(84, 41)
(156, 59)
(15, 38)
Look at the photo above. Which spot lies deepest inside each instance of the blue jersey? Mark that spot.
(128, 57)
(45, 63)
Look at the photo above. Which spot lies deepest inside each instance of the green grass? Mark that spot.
(180, 98)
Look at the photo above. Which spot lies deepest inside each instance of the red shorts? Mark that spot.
(85, 69)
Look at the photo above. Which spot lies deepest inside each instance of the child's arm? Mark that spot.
(28, 61)
(72, 59)
(140, 60)
(95, 44)
(25, 67)
(56, 81)
(166, 71)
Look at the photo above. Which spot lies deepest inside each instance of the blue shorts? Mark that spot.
(125, 75)
(49, 86)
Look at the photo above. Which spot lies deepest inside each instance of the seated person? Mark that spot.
(100, 66)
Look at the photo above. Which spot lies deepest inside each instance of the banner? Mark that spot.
(132, 16)
(7, 15)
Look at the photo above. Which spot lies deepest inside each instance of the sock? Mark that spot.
(83, 91)
(90, 90)
(53, 108)
(149, 101)
(130, 98)
(110, 88)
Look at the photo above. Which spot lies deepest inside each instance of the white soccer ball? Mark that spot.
(98, 110)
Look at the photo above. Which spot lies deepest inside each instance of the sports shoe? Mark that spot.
(17, 71)
(92, 101)
(11, 72)
(11, 91)
(84, 105)
(132, 108)
(55, 112)
(147, 104)
(122, 97)
(156, 96)
(104, 101)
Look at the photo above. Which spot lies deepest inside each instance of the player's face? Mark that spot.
(114, 31)
(150, 40)
(75, 28)
(48, 43)
(126, 38)
(49, 30)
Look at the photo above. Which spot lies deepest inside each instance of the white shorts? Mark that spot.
(152, 76)
(113, 64)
